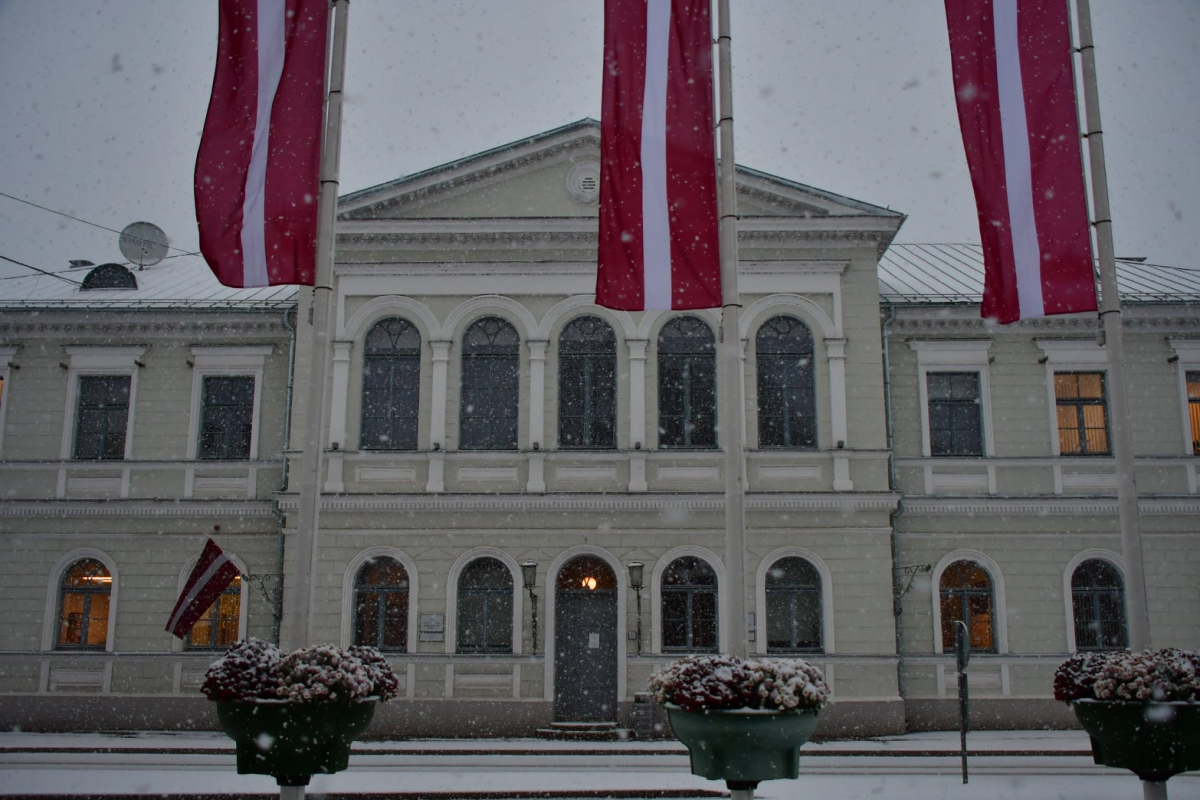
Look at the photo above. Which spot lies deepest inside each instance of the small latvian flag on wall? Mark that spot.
(211, 575)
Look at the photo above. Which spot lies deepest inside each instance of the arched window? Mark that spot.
(485, 607)
(966, 595)
(381, 605)
(83, 606)
(218, 625)
(687, 385)
(787, 406)
(587, 385)
(491, 383)
(1098, 602)
(391, 386)
(689, 606)
(793, 588)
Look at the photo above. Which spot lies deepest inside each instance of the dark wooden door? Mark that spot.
(585, 644)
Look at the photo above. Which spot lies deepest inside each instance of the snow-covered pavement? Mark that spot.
(1030, 765)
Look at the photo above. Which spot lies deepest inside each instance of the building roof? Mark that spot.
(953, 273)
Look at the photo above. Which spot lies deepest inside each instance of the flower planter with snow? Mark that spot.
(295, 716)
(1141, 710)
(743, 721)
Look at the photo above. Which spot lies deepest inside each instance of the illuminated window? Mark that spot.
(787, 405)
(1082, 413)
(1193, 393)
(381, 605)
(485, 607)
(391, 386)
(966, 596)
(687, 385)
(689, 606)
(103, 415)
(587, 385)
(793, 588)
(1098, 602)
(491, 386)
(218, 625)
(84, 606)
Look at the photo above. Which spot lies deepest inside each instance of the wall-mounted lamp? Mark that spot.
(635, 580)
(529, 577)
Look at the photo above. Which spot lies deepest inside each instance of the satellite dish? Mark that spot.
(143, 243)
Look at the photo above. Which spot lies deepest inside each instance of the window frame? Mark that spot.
(226, 362)
(563, 358)
(53, 599)
(1187, 355)
(452, 581)
(383, 591)
(1072, 355)
(828, 638)
(505, 593)
(1079, 404)
(814, 594)
(464, 359)
(191, 647)
(999, 598)
(1115, 561)
(955, 355)
(811, 387)
(689, 593)
(348, 593)
(406, 356)
(659, 393)
(180, 645)
(99, 361)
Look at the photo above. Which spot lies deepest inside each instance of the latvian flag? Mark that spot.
(257, 170)
(658, 201)
(1016, 106)
(212, 573)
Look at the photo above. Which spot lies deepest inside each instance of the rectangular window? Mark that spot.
(955, 421)
(1082, 413)
(103, 416)
(225, 417)
(1193, 393)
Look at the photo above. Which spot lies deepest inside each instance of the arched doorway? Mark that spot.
(585, 641)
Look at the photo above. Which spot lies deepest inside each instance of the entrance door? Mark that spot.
(585, 642)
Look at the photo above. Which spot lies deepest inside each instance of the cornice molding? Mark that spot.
(939, 319)
(83, 325)
(75, 509)
(598, 502)
(1048, 506)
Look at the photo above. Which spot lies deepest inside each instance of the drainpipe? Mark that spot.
(277, 614)
(894, 485)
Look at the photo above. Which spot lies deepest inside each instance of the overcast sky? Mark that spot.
(103, 102)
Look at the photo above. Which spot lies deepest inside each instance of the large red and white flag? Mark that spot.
(211, 575)
(658, 184)
(1016, 105)
(258, 167)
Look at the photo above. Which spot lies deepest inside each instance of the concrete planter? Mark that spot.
(1153, 740)
(293, 741)
(743, 746)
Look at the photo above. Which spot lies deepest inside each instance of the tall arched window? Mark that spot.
(83, 606)
(587, 385)
(485, 607)
(491, 383)
(687, 385)
(787, 407)
(218, 626)
(381, 605)
(689, 606)
(391, 386)
(966, 595)
(793, 588)
(1098, 602)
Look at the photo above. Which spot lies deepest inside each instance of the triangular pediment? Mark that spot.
(555, 175)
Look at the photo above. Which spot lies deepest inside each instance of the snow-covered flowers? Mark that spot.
(696, 683)
(257, 670)
(1170, 675)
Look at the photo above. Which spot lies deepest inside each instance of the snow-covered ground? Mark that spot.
(912, 767)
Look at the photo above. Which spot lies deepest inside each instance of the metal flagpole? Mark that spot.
(1110, 311)
(731, 356)
(298, 631)
(1138, 615)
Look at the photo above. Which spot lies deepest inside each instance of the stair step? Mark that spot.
(585, 731)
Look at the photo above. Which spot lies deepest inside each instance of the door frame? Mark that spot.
(622, 614)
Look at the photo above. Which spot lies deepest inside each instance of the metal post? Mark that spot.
(1110, 311)
(299, 629)
(731, 356)
(962, 656)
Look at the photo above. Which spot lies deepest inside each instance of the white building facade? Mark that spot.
(498, 452)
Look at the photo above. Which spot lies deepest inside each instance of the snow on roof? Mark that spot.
(179, 282)
(953, 273)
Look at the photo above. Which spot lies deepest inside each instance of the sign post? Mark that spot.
(962, 655)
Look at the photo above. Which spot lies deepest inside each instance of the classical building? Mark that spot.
(522, 501)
